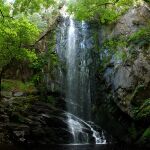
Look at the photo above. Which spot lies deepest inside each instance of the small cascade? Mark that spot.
(82, 131)
(76, 128)
(99, 139)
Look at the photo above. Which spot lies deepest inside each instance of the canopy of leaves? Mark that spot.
(104, 11)
(30, 6)
(19, 30)
(15, 35)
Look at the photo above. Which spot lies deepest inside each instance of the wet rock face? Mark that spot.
(132, 20)
(26, 120)
(125, 79)
(122, 97)
(39, 124)
(129, 23)
(122, 100)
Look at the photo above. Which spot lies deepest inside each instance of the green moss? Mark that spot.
(113, 48)
(121, 55)
(143, 112)
(141, 37)
(123, 48)
(145, 138)
(47, 61)
(16, 85)
(137, 90)
(23, 103)
(147, 133)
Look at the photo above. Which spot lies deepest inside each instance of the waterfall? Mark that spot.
(78, 84)
(72, 85)
(74, 52)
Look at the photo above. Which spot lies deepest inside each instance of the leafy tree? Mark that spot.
(31, 6)
(15, 36)
(18, 32)
(104, 11)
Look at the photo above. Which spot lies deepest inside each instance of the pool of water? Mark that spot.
(72, 147)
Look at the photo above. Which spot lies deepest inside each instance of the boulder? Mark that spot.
(18, 94)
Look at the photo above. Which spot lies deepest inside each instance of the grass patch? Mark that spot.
(16, 85)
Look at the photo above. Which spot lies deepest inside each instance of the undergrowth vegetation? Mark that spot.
(16, 85)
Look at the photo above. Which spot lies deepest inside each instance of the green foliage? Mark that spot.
(122, 49)
(28, 6)
(16, 85)
(47, 59)
(138, 89)
(142, 112)
(144, 139)
(37, 19)
(121, 56)
(22, 104)
(21, 23)
(45, 63)
(114, 43)
(15, 36)
(147, 133)
(104, 11)
(113, 49)
(141, 37)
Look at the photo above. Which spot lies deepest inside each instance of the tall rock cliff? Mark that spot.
(122, 101)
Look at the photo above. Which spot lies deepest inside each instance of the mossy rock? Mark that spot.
(144, 110)
(29, 98)
(145, 138)
(140, 93)
(23, 103)
(147, 133)
(17, 86)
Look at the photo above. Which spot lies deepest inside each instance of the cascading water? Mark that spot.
(73, 49)
(78, 85)
(71, 92)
